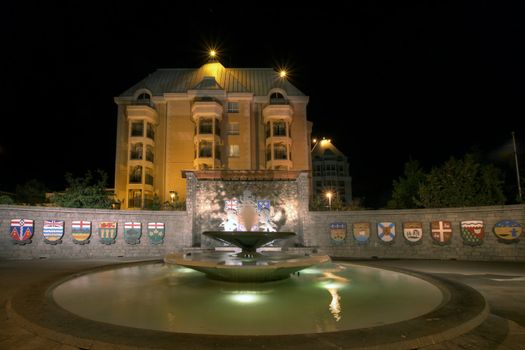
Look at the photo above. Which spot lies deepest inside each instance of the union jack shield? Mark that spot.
(156, 232)
(263, 204)
(231, 204)
(53, 231)
(81, 231)
(132, 232)
(21, 231)
(107, 232)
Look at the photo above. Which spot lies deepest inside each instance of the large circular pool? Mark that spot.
(327, 298)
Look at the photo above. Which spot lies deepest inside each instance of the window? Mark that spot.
(151, 131)
(144, 98)
(267, 129)
(233, 107)
(279, 128)
(204, 149)
(233, 128)
(137, 129)
(149, 177)
(135, 152)
(135, 174)
(233, 151)
(217, 127)
(280, 152)
(150, 155)
(217, 152)
(277, 98)
(135, 199)
(205, 126)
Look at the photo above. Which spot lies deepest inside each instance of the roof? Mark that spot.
(326, 149)
(258, 81)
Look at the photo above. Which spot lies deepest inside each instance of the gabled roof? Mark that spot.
(258, 81)
(326, 149)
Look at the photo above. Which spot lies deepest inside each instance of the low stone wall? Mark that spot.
(313, 230)
(316, 233)
(177, 227)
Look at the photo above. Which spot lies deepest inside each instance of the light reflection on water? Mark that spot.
(328, 297)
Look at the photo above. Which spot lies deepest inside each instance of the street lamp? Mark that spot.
(172, 196)
(329, 196)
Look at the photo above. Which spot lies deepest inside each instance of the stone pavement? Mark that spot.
(502, 284)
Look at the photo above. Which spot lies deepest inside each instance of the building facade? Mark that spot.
(330, 172)
(209, 118)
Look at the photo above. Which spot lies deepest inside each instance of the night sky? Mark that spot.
(422, 80)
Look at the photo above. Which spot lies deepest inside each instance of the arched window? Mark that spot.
(144, 98)
(277, 98)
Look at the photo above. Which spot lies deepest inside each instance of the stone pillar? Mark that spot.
(191, 191)
(303, 197)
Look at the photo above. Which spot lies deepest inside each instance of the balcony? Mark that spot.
(273, 111)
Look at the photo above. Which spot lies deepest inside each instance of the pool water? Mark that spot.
(325, 298)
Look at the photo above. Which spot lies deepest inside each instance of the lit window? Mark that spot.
(280, 152)
(135, 174)
(137, 129)
(150, 155)
(233, 151)
(233, 129)
(233, 107)
(205, 126)
(205, 149)
(151, 131)
(135, 151)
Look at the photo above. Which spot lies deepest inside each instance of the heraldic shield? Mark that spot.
(156, 232)
(107, 232)
(386, 231)
(81, 231)
(472, 232)
(508, 231)
(413, 232)
(361, 232)
(441, 232)
(53, 231)
(338, 231)
(132, 232)
(21, 231)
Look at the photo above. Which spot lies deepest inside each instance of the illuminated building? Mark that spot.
(208, 118)
(330, 172)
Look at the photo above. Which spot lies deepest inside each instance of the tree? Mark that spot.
(405, 194)
(85, 192)
(5, 199)
(462, 183)
(32, 192)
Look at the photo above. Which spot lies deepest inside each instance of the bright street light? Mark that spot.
(329, 196)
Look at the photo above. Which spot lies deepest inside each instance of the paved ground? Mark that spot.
(502, 284)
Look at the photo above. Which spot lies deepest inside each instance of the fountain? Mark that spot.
(248, 265)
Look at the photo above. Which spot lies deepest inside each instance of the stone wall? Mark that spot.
(177, 228)
(183, 229)
(316, 233)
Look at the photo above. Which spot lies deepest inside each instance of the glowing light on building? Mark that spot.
(282, 73)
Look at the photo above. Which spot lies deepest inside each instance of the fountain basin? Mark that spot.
(228, 267)
(248, 241)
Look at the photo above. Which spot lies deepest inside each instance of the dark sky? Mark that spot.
(387, 82)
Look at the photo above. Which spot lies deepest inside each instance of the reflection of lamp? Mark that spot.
(172, 196)
(329, 196)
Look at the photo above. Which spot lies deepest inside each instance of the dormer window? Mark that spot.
(144, 98)
(277, 98)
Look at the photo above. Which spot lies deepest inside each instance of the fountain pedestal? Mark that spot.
(248, 265)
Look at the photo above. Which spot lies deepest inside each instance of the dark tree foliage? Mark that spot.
(406, 189)
(85, 192)
(32, 192)
(457, 183)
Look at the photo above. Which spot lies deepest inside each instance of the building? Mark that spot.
(330, 172)
(209, 118)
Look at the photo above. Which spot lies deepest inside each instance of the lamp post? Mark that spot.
(329, 196)
(172, 196)
(517, 167)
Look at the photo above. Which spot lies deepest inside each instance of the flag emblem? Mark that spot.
(508, 231)
(472, 232)
(156, 232)
(413, 232)
(53, 231)
(441, 232)
(361, 232)
(107, 232)
(263, 204)
(81, 231)
(21, 231)
(386, 231)
(338, 231)
(132, 232)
